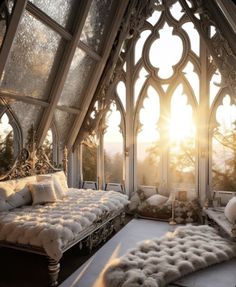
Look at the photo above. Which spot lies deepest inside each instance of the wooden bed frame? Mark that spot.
(32, 162)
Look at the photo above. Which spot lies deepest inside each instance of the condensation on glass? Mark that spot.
(78, 78)
(6, 10)
(33, 59)
(62, 11)
(98, 23)
(63, 120)
(27, 115)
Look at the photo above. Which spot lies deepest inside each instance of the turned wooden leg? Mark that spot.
(53, 270)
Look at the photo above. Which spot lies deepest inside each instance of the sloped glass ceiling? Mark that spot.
(26, 119)
(97, 23)
(32, 63)
(62, 11)
(77, 79)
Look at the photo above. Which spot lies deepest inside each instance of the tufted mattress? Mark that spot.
(53, 226)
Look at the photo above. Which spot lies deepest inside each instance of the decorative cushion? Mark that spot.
(134, 202)
(146, 191)
(6, 191)
(59, 190)
(60, 175)
(157, 199)
(230, 210)
(42, 192)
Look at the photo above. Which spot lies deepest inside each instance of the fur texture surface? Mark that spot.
(157, 262)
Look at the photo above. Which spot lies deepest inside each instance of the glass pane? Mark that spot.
(62, 11)
(121, 91)
(113, 147)
(193, 79)
(139, 45)
(98, 23)
(215, 85)
(154, 18)
(212, 31)
(29, 118)
(89, 159)
(193, 37)
(176, 11)
(224, 147)
(142, 76)
(164, 61)
(30, 68)
(78, 78)
(48, 145)
(63, 122)
(148, 141)
(2, 31)
(182, 142)
(6, 145)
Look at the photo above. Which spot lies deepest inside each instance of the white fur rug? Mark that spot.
(157, 262)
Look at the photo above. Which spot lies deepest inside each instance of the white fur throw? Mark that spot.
(157, 262)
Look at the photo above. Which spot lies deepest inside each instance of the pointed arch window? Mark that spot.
(182, 141)
(113, 146)
(7, 155)
(148, 140)
(224, 146)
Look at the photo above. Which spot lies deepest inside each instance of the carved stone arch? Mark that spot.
(187, 89)
(139, 104)
(217, 101)
(177, 31)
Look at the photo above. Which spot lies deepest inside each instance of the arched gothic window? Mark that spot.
(166, 92)
(113, 146)
(223, 145)
(10, 142)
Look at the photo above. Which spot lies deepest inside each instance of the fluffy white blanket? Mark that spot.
(157, 262)
(52, 226)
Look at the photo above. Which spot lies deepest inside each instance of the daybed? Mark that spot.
(40, 214)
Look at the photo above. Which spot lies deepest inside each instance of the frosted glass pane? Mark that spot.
(63, 122)
(30, 67)
(97, 23)
(27, 119)
(2, 31)
(62, 11)
(77, 79)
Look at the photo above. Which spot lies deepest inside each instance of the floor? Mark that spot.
(79, 269)
(89, 274)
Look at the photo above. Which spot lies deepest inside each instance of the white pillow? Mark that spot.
(42, 192)
(60, 175)
(157, 199)
(59, 190)
(230, 210)
(6, 191)
(134, 201)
